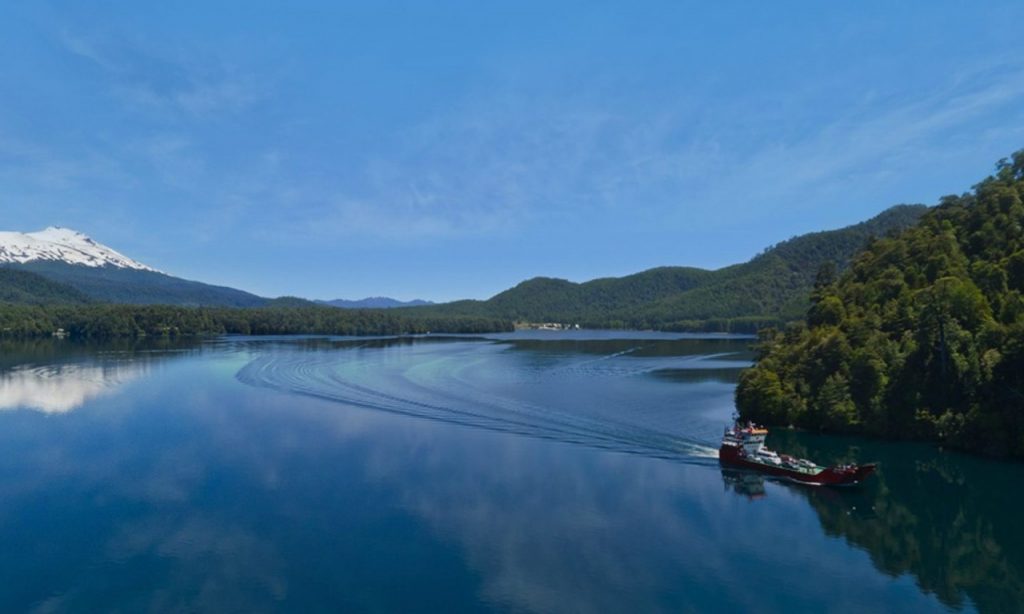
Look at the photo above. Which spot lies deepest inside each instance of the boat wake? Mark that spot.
(479, 385)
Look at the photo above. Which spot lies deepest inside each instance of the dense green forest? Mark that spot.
(113, 321)
(109, 284)
(769, 289)
(18, 286)
(923, 337)
(32, 305)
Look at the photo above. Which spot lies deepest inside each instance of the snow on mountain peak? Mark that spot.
(62, 245)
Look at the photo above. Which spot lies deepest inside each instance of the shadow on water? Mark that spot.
(950, 520)
(693, 376)
(636, 347)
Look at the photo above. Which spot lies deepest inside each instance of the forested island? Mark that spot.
(922, 338)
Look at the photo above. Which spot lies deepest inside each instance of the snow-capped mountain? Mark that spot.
(62, 245)
(101, 274)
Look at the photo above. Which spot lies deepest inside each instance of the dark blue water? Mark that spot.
(526, 472)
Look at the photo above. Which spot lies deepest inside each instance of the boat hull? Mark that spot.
(829, 476)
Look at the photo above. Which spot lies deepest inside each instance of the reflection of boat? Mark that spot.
(849, 501)
(743, 446)
(744, 483)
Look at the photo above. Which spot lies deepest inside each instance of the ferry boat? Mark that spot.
(743, 446)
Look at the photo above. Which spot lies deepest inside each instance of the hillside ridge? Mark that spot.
(921, 338)
(770, 287)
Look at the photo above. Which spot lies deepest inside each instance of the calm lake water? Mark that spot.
(522, 472)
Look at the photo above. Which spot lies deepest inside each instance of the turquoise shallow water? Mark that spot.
(525, 472)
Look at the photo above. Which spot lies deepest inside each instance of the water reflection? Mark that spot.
(746, 483)
(897, 528)
(197, 492)
(46, 375)
(706, 372)
(61, 388)
(950, 520)
(615, 533)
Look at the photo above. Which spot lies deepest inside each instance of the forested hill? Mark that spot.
(28, 288)
(105, 321)
(771, 287)
(108, 284)
(923, 337)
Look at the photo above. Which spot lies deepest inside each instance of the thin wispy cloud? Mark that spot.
(495, 164)
(495, 168)
(34, 165)
(499, 164)
(521, 145)
(145, 78)
(880, 134)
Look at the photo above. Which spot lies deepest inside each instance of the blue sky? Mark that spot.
(451, 150)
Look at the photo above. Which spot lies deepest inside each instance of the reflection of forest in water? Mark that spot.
(525, 522)
(950, 520)
(58, 375)
(21, 352)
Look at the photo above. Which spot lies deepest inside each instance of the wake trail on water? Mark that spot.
(446, 388)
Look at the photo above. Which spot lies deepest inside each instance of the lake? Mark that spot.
(534, 471)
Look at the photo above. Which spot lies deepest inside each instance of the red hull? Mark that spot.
(829, 476)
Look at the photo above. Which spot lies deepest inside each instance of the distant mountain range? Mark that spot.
(62, 266)
(772, 285)
(374, 302)
(58, 265)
